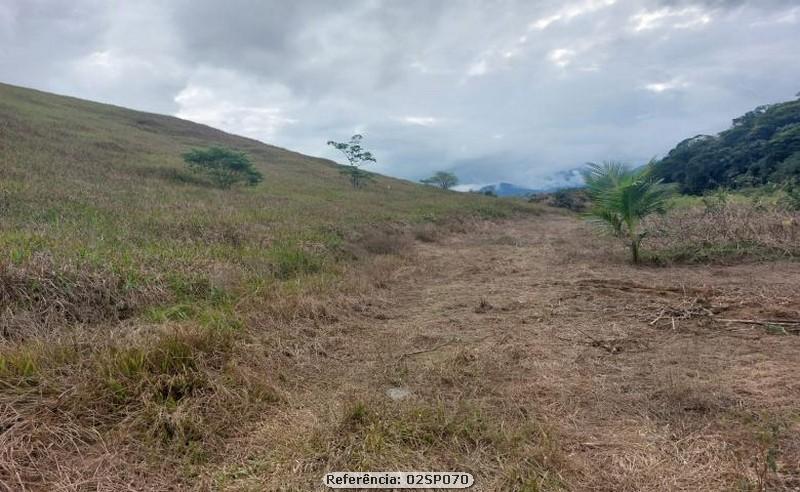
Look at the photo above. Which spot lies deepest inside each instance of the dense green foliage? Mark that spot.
(622, 197)
(223, 166)
(356, 157)
(762, 146)
(442, 179)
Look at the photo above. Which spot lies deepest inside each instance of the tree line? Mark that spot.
(762, 146)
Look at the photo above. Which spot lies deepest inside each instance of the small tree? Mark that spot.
(442, 179)
(223, 166)
(622, 197)
(356, 157)
(599, 179)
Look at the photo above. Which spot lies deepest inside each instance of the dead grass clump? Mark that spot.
(382, 242)
(726, 232)
(506, 240)
(427, 233)
(462, 225)
(174, 393)
(279, 302)
(379, 271)
(519, 454)
(38, 297)
(297, 307)
(292, 260)
(684, 398)
(463, 371)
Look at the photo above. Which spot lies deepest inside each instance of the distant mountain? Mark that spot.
(507, 189)
(570, 178)
(556, 181)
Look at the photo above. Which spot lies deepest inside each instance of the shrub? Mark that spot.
(224, 167)
(441, 179)
(380, 242)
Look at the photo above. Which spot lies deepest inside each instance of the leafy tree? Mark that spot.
(762, 146)
(356, 157)
(622, 197)
(443, 179)
(225, 167)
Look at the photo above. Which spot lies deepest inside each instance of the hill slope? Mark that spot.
(144, 304)
(108, 150)
(83, 182)
(92, 187)
(762, 146)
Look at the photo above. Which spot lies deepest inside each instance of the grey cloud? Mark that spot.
(509, 90)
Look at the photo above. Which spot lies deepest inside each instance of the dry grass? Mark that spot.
(726, 232)
(379, 241)
(171, 395)
(427, 233)
(38, 298)
(559, 379)
(148, 319)
(249, 340)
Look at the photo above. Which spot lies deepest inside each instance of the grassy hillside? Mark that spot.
(87, 187)
(135, 297)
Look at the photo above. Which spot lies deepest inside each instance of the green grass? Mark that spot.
(764, 195)
(104, 189)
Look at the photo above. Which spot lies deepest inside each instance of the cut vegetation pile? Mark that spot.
(724, 230)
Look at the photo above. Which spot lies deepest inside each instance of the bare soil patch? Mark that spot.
(545, 362)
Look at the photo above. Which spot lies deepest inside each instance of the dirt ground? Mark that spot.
(537, 358)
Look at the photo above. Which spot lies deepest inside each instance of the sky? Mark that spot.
(494, 90)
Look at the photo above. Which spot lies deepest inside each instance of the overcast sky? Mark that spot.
(492, 90)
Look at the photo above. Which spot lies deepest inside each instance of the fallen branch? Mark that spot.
(760, 321)
(607, 345)
(425, 351)
(786, 326)
(688, 309)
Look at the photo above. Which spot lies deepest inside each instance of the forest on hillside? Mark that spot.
(762, 146)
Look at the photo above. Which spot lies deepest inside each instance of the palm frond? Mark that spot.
(622, 197)
(601, 177)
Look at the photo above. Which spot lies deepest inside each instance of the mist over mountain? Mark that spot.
(561, 180)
